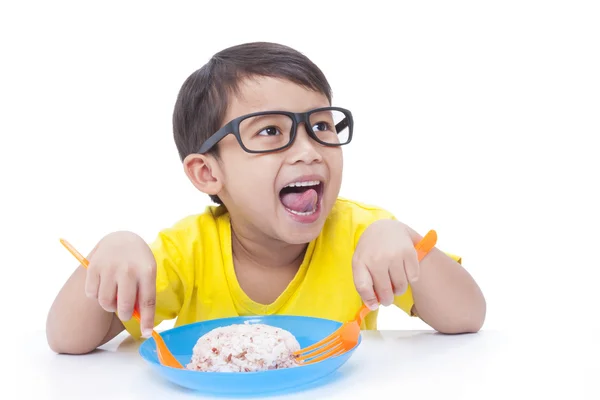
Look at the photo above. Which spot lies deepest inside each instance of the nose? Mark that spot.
(304, 149)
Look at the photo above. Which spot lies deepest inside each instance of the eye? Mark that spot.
(321, 126)
(269, 131)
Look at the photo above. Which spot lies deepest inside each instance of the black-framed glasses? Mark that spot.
(269, 131)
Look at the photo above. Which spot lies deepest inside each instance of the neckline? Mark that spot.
(239, 296)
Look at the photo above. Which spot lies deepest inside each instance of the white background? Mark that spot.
(477, 119)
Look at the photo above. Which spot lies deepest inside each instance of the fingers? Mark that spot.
(147, 301)
(107, 293)
(411, 265)
(92, 283)
(118, 288)
(364, 285)
(380, 283)
(398, 279)
(383, 286)
(126, 295)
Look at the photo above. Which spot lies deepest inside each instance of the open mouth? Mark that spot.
(302, 198)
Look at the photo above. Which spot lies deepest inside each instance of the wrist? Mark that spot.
(414, 236)
(122, 239)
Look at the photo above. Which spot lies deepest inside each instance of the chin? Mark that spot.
(301, 236)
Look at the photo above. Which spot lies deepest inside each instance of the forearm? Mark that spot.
(77, 324)
(445, 296)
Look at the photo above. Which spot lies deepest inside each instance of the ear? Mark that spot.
(204, 173)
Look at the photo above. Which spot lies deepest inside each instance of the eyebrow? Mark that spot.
(257, 118)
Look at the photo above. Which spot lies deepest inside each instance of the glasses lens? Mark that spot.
(266, 132)
(331, 126)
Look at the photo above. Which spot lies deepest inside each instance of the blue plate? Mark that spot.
(307, 330)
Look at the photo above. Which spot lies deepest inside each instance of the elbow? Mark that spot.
(460, 327)
(62, 342)
(477, 316)
(471, 326)
(55, 344)
(467, 322)
(472, 318)
(63, 345)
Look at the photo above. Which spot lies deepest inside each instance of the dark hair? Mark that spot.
(203, 98)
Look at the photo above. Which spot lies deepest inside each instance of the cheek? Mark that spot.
(335, 163)
(249, 178)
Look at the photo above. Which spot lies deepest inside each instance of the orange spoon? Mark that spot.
(164, 355)
(346, 336)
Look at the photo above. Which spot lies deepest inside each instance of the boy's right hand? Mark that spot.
(121, 274)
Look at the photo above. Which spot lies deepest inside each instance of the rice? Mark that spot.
(244, 348)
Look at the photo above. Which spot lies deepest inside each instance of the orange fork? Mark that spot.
(164, 355)
(346, 336)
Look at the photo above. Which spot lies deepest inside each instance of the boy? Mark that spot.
(256, 131)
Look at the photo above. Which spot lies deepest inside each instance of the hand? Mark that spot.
(385, 262)
(122, 272)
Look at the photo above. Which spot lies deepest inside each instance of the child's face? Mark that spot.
(253, 183)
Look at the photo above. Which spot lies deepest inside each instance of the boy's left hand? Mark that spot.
(384, 263)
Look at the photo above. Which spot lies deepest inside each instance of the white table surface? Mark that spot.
(388, 364)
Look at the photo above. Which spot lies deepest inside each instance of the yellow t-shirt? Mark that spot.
(196, 279)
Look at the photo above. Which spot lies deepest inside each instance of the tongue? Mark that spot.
(300, 202)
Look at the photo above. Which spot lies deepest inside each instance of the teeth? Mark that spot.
(307, 183)
(302, 213)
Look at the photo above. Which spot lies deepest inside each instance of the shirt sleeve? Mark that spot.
(169, 283)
